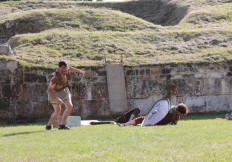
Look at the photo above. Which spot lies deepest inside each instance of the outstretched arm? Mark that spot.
(75, 70)
(176, 117)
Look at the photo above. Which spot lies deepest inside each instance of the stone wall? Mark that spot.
(203, 87)
(23, 92)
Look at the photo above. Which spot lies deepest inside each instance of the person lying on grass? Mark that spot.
(171, 118)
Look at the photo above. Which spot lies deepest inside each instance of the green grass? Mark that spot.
(205, 16)
(87, 36)
(198, 137)
(141, 47)
(75, 19)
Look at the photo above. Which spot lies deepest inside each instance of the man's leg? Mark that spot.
(56, 113)
(131, 122)
(132, 114)
(135, 121)
(68, 108)
(132, 117)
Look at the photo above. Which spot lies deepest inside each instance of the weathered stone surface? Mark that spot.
(197, 81)
(99, 91)
(18, 76)
(80, 91)
(5, 76)
(3, 64)
(116, 88)
(132, 72)
(5, 114)
(5, 49)
(38, 93)
(92, 108)
(32, 78)
(31, 110)
(209, 103)
(203, 87)
(12, 65)
(6, 91)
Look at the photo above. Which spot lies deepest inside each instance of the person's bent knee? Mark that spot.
(58, 112)
(69, 108)
(139, 120)
(136, 111)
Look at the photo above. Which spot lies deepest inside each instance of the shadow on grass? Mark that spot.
(21, 133)
(191, 116)
(22, 122)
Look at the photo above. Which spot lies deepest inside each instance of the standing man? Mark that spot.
(58, 93)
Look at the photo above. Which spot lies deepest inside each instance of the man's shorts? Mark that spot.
(139, 120)
(63, 95)
(125, 117)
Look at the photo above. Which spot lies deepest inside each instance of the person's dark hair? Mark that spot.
(62, 63)
(182, 108)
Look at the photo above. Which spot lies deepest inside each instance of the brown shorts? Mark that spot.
(62, 95)
(139, 120)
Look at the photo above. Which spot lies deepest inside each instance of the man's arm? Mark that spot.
(50, 92)
(176, 117)
(75, 70)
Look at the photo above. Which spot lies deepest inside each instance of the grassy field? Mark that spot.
(198, 137)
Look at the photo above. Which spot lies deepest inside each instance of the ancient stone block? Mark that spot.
(229, 74)
(155, 87)
(144, 104)
(39, 109)
(5, 49)
(4, 103)
(217, 103)
(23, 110)
(155, 71)
(216, 87)
(18, 76)
(142, 72)
(99, 90)
(226, 85)
(101, 72)
(3, 64)
(93, 79)
(12, 65)
(140, 89)
(230, 68)
(90, 74)
(145, 72)
(33, 78)
(37, 91)
(93, 108)
(196, 104)
(132, 72)
(79, 91)
(6, 91)
(166, 71)
(197, 87)
(181, 87)
(5, 76)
